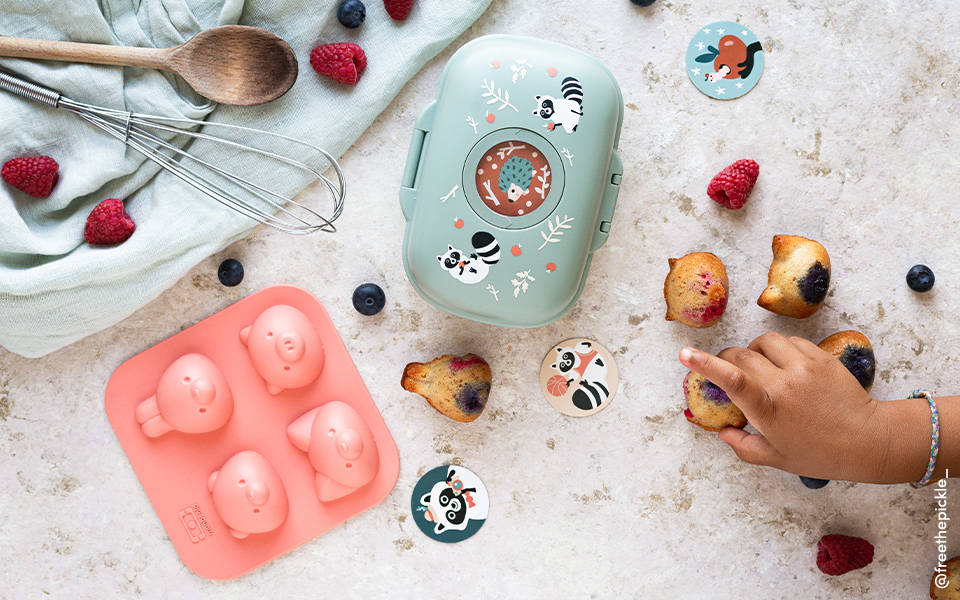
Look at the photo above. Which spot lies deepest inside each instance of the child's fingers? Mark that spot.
(742, 389)
(750, 447)
(810, 349)
(777, 349)
(754, 364)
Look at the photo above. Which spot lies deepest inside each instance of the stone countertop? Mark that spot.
(855, 126)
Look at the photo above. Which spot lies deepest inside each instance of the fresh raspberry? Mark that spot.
(341, 62)
(838, 554)
(398, 9)
(108, 223)
(33, 175)
(733, 185)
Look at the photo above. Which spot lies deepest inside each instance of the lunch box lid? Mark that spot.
(514, 163)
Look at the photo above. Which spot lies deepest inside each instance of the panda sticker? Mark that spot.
(449, 504)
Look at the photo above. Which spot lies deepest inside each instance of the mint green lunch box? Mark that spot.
(511, 181)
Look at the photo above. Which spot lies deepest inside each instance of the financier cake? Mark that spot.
(457, 386)
(855, 352)
(798, 279)
(946, 586)
(708, 406)
(696, 290)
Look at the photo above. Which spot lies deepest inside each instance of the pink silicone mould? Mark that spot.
(341, 448)
(248, 494)
(300, 482)
(193, 396)
(285, 348)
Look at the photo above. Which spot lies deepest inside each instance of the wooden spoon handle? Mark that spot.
(86, 53)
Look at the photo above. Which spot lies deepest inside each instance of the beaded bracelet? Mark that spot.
(935, 440)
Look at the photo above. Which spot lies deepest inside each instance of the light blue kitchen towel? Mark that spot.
(56, 289)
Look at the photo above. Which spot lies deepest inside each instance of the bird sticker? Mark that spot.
(733, 60)
(724, 60)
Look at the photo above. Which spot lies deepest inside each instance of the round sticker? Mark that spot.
(724, 60)
(513, 178)
(578, 377)
(449, 504)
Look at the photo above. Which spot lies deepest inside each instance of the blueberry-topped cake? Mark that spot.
(799, 277)
(855, 352)
(457, 386)
(708, 406)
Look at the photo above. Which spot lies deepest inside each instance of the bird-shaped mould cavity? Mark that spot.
(340, 446)
(193, 396)
(285, 348)
(248, 494)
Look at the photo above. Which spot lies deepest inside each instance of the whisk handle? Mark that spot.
(101, 54)
(29, 90)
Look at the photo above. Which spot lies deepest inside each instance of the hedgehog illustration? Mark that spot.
(515, 177)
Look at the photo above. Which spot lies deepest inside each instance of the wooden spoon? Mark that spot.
(231, 64)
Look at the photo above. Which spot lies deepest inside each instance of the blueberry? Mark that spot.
(920, 278)
(472, 399)
(351, 13)
(714, 394)
(813, 286)
(369, 299)
(861, 363)
(814, 484)
(643, 2)
(230, 272)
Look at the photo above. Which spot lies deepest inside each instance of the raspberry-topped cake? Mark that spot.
(696, 290)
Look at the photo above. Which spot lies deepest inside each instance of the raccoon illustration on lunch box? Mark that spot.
(472, 268)
(503, 211)
(565, 112)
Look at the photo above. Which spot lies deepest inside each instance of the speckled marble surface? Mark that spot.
(854, 124)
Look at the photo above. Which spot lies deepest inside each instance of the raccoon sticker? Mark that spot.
(565, 111)
(579, 377)
(472, 267)
(449, 504)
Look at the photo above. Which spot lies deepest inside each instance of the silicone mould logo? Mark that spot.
(194, 522)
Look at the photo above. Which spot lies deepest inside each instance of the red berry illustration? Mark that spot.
(516, 250)
(495, 64)
(551, 267)
(552, 72)
(490, 117)
(458, 223)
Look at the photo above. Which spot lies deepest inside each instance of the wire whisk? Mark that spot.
(228, 188)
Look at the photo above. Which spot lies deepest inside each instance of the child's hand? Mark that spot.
(813, 416)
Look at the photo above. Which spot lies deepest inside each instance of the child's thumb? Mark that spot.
(750, 447)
